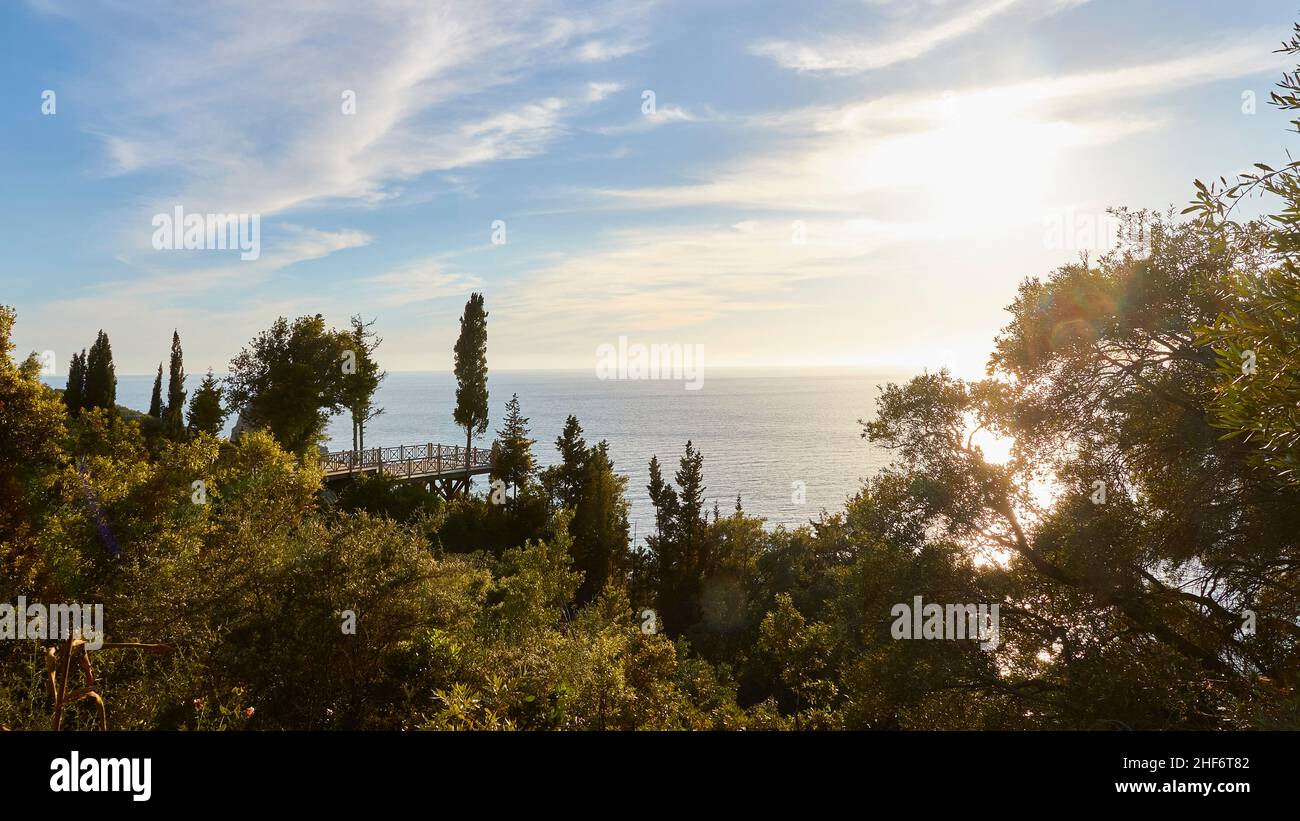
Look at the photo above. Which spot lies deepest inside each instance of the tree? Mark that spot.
(664, 499)
(513, 462)
(1101, 384)
(206, 413)
(798, 652)
(74, 396)
(30, 417)
(31, 427)
(472, 376)
(289, 380)
(680, 555)
(174, 420)
(563, 482)
(690, 494)
(1256, 337)
(155, 400)
(101, 376)
(600, 526)
(363, 380)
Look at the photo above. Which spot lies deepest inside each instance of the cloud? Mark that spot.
(964, 144)
(190, 273)
(420, 281)
(941, 25)
(238, 128)
(662, 115)
(239, 107)
(596, 51)
(599, 91)
(663, 279)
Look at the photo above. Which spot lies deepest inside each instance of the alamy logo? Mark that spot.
(75, 774)
(684, 363)
(953, 621)
(208, 232)
(47, 622)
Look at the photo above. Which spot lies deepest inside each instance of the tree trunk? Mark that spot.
(469, 444)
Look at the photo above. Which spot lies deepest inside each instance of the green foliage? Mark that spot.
(564, 481)
(155, 399)
(512, 460)
(1255, 335)
(206, 415)
(383, 496)
(174, 415)
(584, 482)
(101, 377)
(74, 396)
(600, 526)
(31, 432)
(680, 551)
(290, 380)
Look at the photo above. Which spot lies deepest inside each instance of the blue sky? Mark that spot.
(916, 149)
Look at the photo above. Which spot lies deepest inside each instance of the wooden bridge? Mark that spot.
(442, 467)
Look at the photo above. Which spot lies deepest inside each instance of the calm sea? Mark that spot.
(762, 432)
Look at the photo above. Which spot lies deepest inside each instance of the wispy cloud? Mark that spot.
(656, 280)
(930, 26)
(421, 281)
(597, 51)
(239, 127)
(599, 91)
(660, 116)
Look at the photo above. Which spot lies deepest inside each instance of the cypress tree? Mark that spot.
(174, 420)
(155, 402)
(74, 396)
(101, 375)
(471, 376)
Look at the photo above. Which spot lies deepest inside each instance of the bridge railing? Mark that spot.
(405, 460)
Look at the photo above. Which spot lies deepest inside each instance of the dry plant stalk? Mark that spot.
(59, 668)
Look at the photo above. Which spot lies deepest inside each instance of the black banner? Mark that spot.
(139, 772)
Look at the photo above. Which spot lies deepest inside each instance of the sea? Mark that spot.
(786, 441)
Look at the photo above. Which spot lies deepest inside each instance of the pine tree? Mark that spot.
(101, 376)
(155, 402)
(174, 418)
(679, 551)
(472, 376)
(690, 484)
(206, 413)
(564, 481)
(664, 499)
(514, 463)
(74, 396)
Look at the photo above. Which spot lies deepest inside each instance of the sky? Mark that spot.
(854, 183)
